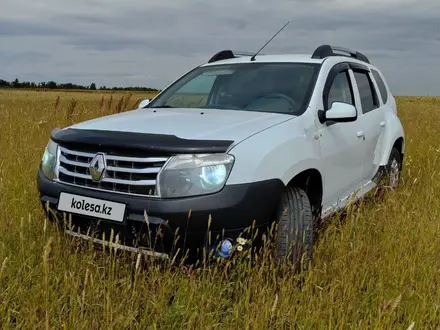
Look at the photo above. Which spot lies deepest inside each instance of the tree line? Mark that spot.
(54, 85)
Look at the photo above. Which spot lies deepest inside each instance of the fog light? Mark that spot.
(225, 248)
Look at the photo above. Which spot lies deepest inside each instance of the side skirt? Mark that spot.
(352, 198)
(379, 174)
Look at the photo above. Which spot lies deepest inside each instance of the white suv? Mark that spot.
(235, 143)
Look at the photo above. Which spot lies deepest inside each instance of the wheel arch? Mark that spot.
(399, 144)
(310, 180)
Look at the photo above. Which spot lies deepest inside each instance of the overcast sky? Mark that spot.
(152, 42)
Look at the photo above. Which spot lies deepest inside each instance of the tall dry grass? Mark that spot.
(377, 269)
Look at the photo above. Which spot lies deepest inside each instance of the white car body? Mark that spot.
(344, 157)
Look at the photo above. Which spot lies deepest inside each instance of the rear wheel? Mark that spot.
(393, 170)
(295, 227)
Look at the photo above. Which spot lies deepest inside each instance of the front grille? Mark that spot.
(131, 175)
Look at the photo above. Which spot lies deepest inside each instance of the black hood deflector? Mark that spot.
(130, 143)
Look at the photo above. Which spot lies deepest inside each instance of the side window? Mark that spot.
(341, 90)
(381, 84)
(367, 92)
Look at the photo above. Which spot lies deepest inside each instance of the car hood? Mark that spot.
(203, 124)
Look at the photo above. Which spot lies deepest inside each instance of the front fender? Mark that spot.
(280, 152)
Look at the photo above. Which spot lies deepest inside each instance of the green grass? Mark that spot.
(378, 269)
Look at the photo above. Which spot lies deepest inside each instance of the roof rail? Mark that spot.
(227, 54)
(327, 50)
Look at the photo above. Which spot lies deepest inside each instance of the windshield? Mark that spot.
(268, 87)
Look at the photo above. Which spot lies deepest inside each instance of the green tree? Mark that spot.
(51, 84)
(16, 83)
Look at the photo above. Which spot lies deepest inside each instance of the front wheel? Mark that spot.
(295, 227)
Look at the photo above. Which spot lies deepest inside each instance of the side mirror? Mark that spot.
(339, 112)
(143, 103)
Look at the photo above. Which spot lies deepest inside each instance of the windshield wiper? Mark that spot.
(163, 106)
(221, 106)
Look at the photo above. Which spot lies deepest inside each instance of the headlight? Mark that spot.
(49, 160)
(193, 175)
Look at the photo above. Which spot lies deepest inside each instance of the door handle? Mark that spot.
(360, 134)
(382, 124)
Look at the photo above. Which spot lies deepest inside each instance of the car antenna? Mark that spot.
(253, 57)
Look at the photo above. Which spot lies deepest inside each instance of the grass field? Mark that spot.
(378, 269)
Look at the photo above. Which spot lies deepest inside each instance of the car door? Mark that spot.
(372, 120)
(342, 144)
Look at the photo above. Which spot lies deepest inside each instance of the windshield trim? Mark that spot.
(297, 113)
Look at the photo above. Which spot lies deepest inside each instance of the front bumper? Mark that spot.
(195, 219)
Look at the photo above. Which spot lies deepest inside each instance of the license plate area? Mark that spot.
(92, 207)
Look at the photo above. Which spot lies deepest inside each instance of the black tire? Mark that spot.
(295, 228)
(393, 170)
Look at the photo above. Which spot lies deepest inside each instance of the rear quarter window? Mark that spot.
(381, 84)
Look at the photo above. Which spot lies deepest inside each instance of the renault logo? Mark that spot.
(97, 167)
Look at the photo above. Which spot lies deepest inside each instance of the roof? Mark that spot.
(319, 55)
(293, 58)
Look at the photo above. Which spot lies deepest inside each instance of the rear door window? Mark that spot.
(369, 100)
